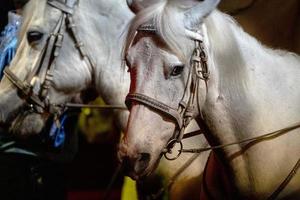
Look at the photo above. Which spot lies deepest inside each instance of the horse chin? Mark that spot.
(26, 125)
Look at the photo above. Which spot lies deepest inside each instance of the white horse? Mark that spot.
(100, 26)
(186, 51)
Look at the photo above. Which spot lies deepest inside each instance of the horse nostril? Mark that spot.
(144, 157)
(137, 164)
(143, 161)
(34, 36)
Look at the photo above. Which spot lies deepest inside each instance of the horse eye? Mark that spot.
(34, 36)
(177, 70)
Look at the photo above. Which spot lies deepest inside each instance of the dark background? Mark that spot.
(275, 22)
(6, 5)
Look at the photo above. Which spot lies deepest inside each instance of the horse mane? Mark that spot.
(224, 35)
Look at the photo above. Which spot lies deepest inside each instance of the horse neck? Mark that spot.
(248, 96)
(244, 75)
(103, 24)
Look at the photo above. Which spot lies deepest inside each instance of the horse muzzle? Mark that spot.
(134, 164)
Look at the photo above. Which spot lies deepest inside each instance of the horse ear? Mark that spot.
(199, 9)
(138, 5)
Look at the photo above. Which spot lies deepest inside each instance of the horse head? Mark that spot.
(158, 52)
(55, 61)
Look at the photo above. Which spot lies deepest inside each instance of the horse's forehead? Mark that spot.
(151, 46)
(146, 44)
(144, 49)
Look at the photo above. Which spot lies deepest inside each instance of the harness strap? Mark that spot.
(192, 134)
(78, 43)
(286, 181)
(254, 139)
(267, 136)
(24, 87)
(54, 45)
(154, 104)
(100, 107)
(46, 62)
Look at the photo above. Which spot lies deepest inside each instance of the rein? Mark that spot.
(249, 140)
(267, 136)
(100, 107)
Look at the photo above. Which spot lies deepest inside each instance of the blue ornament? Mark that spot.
(9, 40)
(57, 132)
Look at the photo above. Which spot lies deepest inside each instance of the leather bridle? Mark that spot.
(39, 101)
(185, 112)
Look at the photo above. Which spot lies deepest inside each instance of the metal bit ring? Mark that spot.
(171, 144)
